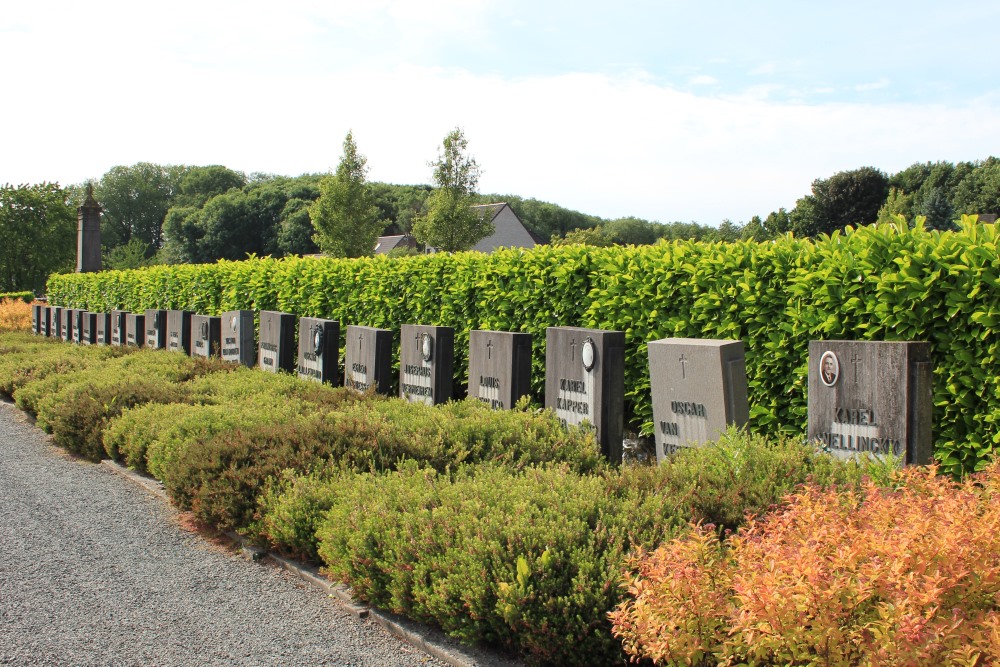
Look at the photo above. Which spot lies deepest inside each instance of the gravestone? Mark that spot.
(871, 397)
(79, 317)
(499, 367)
(368, 359)
(88, 328)
(36, 319)
(585, 382)
(118, 327)
(48, 318)
(426, 363)
(102, 328)
(238, 344)
(206, 336)
(55, 324)
(135, 329)
(179, 331)
(156, 329)
(66, 324)
(277, 340)
(319, 349)
(699, 387)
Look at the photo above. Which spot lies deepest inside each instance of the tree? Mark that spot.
(937, 210)
(345, 217)
(898, 203)
(846, 198)
(38, 232)
(135, 201)
(450, 223)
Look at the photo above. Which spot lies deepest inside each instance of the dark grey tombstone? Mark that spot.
(206, 336)
(179, 331)
(277, 339)
(871, 397)
(66, 324)
(156, 329)
(36, 319)
(79, 317)
(55, 323)
(699, 387)
(585, 382)
(499, 367)
(368, 359)
(319, 348)
(88, 328)
(238, 344)
(102, 328)
(48, 318)
(426, 363)
(135, 329)
(118, 327)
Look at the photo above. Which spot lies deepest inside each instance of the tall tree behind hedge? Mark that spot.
(37, 235)
(450, 223)
(846, 198)
(345, 216)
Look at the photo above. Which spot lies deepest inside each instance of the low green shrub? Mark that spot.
(26, 297)
(25, 358)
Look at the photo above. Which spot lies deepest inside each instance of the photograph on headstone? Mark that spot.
(88, 328)
(368, 359)
(238, 344)
(585, 382)
(871, 397)
(206, 336)
(499, 367)
(426, 363)
(699, 388)
(118, 327)
(135, 329)
(179, 331)
(276, 351)
(319, 350)
(156, 329)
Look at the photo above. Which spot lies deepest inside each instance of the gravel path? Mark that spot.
(96, 571)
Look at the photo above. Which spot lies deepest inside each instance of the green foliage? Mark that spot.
(875, 283)
(38, 229)
(345, 216)
(134, 200)
(449, 223)
(26, 297)
(846, 198)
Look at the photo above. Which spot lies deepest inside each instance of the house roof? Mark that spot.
(386, 243)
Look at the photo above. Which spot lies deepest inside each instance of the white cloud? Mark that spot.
(874, 85)
(703, 80)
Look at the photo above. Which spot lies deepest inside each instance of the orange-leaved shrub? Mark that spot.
(902, 575)
(15, 315)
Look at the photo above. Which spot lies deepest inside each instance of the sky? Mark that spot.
(668, 111)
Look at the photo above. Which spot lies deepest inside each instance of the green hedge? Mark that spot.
(874, 283)
(27, 297)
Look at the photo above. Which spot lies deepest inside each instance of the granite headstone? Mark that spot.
(585, 382)
(135, 329)
(368, 359)
(499, 367)
(88, 328)
(426, 363)
(179, 331)
(102, 328)
(206, 335)
(156, 329)
(319, 349)
(276, 351)
(699, 387)
(118, 327)
(238, 345)
(871, 397)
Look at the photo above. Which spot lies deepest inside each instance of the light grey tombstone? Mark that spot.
(699, 388)
(66, 324)
(206, 336)
(499, 367)
(156, 329)
(36, 319)
(871, 397)
(426, 363)
(238, 345)
(78, 319)
(55, 323)
(135, 329)
(102, 328)
(88, 328)
(585, 382)
(319, 348)
(276, 351)
(179, 331)
(48, 322)
(118, 327)
(368, 359)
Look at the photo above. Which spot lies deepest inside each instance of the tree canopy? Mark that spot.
(38, 229)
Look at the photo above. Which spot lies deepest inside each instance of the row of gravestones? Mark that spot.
(878, 402)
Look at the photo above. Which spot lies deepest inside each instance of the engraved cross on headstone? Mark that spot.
(855, 359)
(683, 359)
(361, 340)
(489, 349)
(572, 349)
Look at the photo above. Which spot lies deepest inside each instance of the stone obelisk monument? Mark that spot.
(88, 237)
